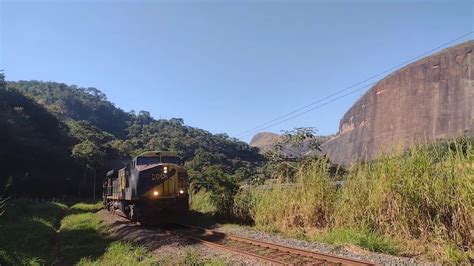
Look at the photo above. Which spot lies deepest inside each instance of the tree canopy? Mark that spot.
(54, 133)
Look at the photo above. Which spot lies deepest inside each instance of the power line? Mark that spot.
(259, 127)
(311, 109)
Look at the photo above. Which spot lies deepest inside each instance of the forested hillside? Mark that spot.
(35, 146)
(55, 138)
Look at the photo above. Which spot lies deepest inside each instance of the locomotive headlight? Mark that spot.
(155, 193)
(181, 191)
(165, 169)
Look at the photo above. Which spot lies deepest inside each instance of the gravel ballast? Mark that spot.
(161, 243)
(348, 252)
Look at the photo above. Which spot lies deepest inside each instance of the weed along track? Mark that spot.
(268, 252)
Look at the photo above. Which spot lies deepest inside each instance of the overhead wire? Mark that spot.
(274, 122)
(311, 109)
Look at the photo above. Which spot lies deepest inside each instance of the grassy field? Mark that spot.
(53, 233)
(28, 231)
(420, 203)
(82, 234)
(84, 241)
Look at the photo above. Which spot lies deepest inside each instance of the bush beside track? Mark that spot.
(418, 204)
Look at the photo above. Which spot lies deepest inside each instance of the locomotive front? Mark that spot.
(161, 187)
(152, 188)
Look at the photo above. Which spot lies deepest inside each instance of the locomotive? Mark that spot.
(152, 188)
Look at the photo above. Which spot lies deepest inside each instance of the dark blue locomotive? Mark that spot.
(152, 188)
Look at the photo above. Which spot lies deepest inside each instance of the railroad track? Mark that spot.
(267, 252)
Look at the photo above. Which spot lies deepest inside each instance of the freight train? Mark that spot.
(151, 189)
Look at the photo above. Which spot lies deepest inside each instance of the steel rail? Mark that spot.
(212, 244)
(279, 254)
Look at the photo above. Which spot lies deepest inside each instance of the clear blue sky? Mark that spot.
(224, 66)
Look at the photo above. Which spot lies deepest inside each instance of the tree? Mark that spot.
(2, 80)
(96, 93)
(83, 130)
(222, 187)
(98, 136)
(91, 157)
(144, 117)
(289, 151)
(299, 137)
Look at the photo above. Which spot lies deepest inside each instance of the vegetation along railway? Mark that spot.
(267, 252)
(152, 189)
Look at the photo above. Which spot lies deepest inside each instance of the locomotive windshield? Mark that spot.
(156, 160)
(169, 159)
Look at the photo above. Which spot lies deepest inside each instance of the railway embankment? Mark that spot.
(28, 232)
(162, 244)
(47, 233)
(52, 233)
(168, 249)
(418, 204)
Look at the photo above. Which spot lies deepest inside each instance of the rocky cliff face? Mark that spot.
(430, 99)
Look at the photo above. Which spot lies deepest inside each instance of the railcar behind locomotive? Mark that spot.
(151, 188)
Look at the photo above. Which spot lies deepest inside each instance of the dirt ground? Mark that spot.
(163, 245)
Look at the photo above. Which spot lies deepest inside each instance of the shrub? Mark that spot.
(244, 205)
(201, 202)
(308, 204)
(221, 186)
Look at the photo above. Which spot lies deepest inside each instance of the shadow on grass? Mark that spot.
(25, 241)
(82, 243)
(27, 231)
(82, 235)
(80, 211)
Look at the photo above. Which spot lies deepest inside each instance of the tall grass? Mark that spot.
(360, 237)
(308, 205)
(424, 196)
(201, 202)
(82, 234)
(121, 253)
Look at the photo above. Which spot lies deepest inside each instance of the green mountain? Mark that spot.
(58, 136)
